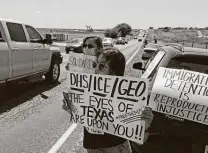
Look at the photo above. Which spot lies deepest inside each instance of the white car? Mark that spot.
(108, 42)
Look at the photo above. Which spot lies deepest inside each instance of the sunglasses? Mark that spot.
(90, 46)
(101, 66)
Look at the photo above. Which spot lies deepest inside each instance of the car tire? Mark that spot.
(54, 72)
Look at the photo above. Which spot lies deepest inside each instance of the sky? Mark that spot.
(102, 14)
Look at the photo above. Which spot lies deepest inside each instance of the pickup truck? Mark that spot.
(25, 54)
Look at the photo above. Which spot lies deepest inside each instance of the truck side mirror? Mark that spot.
(138, 66)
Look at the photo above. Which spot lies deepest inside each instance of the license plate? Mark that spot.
(206, 149)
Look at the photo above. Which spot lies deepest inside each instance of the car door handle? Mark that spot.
(15, 49)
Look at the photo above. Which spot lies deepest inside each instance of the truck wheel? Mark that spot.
(53, 75)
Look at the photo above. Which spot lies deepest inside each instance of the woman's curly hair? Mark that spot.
(116, 59)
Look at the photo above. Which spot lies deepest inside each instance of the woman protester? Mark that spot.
(110, 61)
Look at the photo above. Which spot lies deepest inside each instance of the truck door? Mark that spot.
(22, 53)
(4, 58)
(41, 52)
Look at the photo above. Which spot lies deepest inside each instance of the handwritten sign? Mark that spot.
(110, 104)
(81, 63)
(181, 93)
(206, 149)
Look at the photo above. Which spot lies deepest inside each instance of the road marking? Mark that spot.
(133, 55)
(63, 138)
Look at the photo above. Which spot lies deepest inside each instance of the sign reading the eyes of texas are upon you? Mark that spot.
(105, 103)
(108, 103)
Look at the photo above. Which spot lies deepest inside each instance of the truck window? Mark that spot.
(16, 32)
(33, 34)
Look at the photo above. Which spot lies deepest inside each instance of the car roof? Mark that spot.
(189, 51)
(195, 51)
(77, 39)
(150, 48)
(11, 20)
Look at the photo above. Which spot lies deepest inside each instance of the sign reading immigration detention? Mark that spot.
(110, 104)
(181, 93)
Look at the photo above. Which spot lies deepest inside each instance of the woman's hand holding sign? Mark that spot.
(67, 104)
(147, 116)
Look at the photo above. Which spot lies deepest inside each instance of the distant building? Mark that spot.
(59, 36)
(151, 28)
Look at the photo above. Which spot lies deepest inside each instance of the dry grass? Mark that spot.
(185, 37)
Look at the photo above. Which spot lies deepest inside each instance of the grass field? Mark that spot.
(185, 37)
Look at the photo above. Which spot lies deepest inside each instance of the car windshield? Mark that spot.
(152, 63)
(198, 63)
(75, 41)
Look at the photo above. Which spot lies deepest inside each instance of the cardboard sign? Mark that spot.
(206, 149)
(109, 104)
(181, 93)
(81, 63)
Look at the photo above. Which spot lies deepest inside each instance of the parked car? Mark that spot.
(177, 57)
(75, 45)
(24, 53)
(108, 42)
(122, 40)
(139, 39)
(126, 41)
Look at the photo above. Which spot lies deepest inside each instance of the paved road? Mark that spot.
(31, 118)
